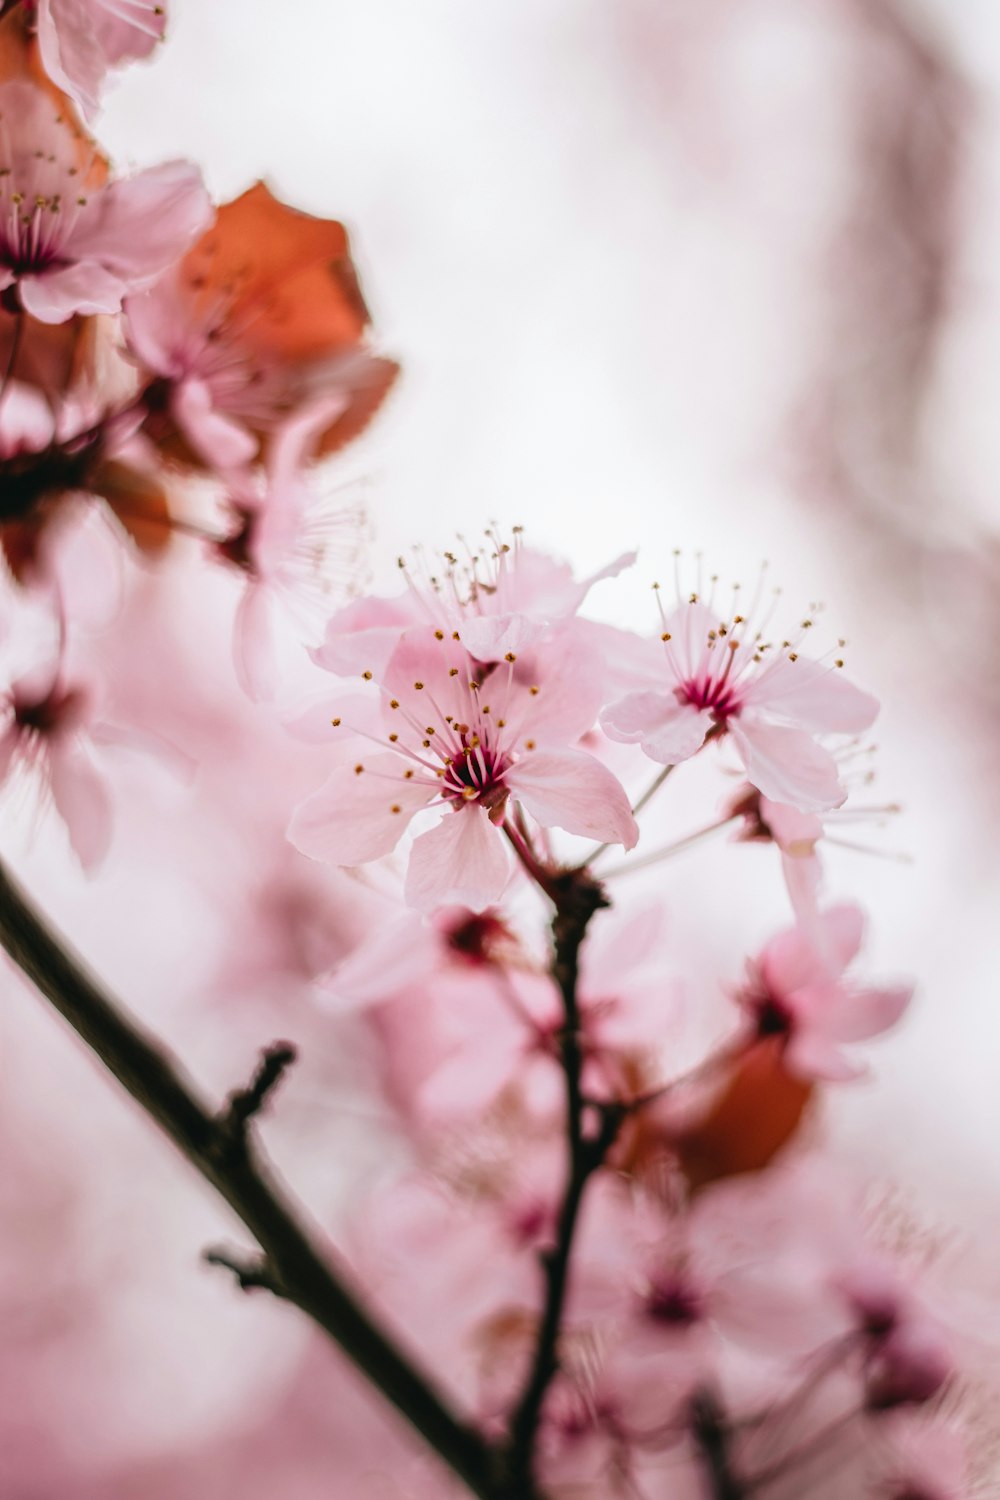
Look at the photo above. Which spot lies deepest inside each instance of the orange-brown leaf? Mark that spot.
(286, 277)
(753, 1116)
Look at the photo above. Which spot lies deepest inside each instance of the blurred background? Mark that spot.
(660, 273)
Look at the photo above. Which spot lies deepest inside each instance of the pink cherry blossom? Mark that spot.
(500, 597)
(796, 990)
(80, 40)
(719, 676)
(295, 543)
(47, 733)
(466, 738)
(69, 244)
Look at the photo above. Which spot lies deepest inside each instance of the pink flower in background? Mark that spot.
(927, 1461)
(796, 990)
(70, 243)
(465, 737)
(720, 677)
(295, 543)
(80, 40)
(48, 732)
(502, 597)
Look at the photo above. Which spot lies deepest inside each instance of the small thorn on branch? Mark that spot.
(253, 1273)
(243, 1104)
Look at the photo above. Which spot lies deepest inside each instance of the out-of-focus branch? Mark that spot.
(223, 1151)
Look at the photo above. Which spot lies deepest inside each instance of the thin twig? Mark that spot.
(243, 1104)
(244, 1178)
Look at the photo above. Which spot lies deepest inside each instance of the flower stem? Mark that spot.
(232, 1162)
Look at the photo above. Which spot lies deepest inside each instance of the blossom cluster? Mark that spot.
(615, 1240)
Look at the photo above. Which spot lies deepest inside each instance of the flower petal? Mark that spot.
(82, 287)
(668, 731)
(491, 637)
(787, 765)
(141, 224)
(253, 643)
(350, 820)
(812, 696)
(82, 801)
(463, 859)
(572, 790)
(221, 441)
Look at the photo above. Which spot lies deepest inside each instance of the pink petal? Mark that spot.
(142, 224)
(812, 1056)
(864, 1013)
(490, 637)
(83, 803)
(797, 958)
(253, 643)
(787, 765)
(69, 49)
(221, 441)
(668, 731)
(383, 966)
(572, 790)
(793, 831)
(812, 696)
(362, 636)
(81, 287)
(463, 859)
(350, 821)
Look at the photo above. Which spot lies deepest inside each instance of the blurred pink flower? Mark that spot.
(720, 680)
(796, 990)
(295, 543)
(502, 598)
(465, 737)
(70, 243)
(263, 315)
(47, 730)
(79, 40)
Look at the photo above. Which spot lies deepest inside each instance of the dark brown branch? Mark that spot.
(243, 1178)
(708, 1428)
(577, 898)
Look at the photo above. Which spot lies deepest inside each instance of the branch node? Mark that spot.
(242, 1104)
(252, 1272)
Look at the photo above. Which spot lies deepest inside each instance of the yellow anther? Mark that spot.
(367, 676)
(358, 770)
(395, 808)
(419, 686)
(393, 702)
(335, 722)
(666, 636)
(393, 738)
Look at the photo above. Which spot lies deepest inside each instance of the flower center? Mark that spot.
(671, 1300)
(713, 693)
(475, 771)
